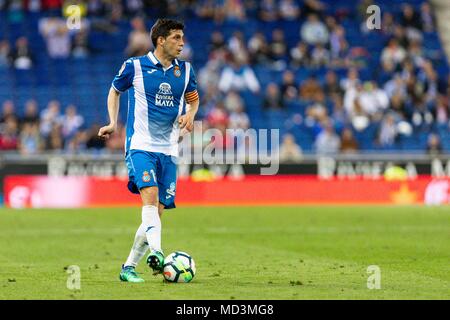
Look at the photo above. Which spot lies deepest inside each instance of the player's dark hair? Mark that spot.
(162, 28)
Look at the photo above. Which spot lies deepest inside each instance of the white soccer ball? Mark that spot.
(179, 267)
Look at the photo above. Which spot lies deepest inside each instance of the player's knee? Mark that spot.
(149, 196)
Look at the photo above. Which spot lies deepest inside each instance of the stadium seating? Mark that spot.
(85, 82)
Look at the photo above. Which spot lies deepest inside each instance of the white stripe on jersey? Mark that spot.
(141, 138)
(176, 127)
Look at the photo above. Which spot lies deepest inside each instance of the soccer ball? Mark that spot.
(179, 267)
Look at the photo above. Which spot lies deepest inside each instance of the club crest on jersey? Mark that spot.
(164, 97)
(146, 176)
(177, 71)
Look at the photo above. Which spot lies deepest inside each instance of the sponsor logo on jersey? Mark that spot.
(164, 97)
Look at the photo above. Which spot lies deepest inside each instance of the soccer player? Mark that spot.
(160, 86)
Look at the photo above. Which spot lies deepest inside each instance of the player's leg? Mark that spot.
(141, 177)
(151, 218)
(160, 209)
(166, 177)
(167, 183)
(155, 259)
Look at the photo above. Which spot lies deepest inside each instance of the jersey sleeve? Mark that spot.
(124, 78)
(191, 89)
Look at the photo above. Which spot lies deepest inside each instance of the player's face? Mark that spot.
(174, 43)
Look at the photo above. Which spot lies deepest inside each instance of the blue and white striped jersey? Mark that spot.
(156, 98)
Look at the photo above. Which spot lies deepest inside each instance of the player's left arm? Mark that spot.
(187, 120)
(192, 98)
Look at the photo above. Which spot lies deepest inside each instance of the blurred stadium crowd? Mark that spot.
(309, 68)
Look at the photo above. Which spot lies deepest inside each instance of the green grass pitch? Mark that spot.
(240, 252)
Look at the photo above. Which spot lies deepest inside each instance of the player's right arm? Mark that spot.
(113, 112)
(121, 83)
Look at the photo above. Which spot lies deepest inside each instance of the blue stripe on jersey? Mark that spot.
(130, 118)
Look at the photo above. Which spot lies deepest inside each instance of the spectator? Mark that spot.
(316, 113)
(217, 42)
(205, 9)
(400, 36)
(258, 49)
(80, 47)
(331, 86)
(238, 76)
(373, 100)
(208, 76)
(8, 111)
(300, 55)
(268, 11)
(54, 140)
(71, 122)
(30, 141)
(289, 10)
(421, 115)
(239, 119)
(290, 151)
(217, 116)
(427, 78)
(57, 36)
(427, 18)
(388, 24)
(237, 46)
(434, 147)
(310, 89)
(395, 86)
(133, 7)
(314, 31)
(351, 81)
(273, 99)
(78, 142)
(5, 54)
(313, 7)
(339, 114)
(412, 21)
(234, 10)
(393, 53)
(398, 106)
(338, 43)
(9, 134)
(327, 141)
(49, 117)
(320, 56)
(31, 115)
(348, 141)
(289, 89)
(388, 131)
(233, 101)
(139, 43)
(21, 56)
(415, 53)
(442, 111)
(278, 49)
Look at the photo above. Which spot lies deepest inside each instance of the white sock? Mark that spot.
(139, 248)
(152, 224)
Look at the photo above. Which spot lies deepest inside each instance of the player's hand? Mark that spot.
(106, 131)
(186, 122)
